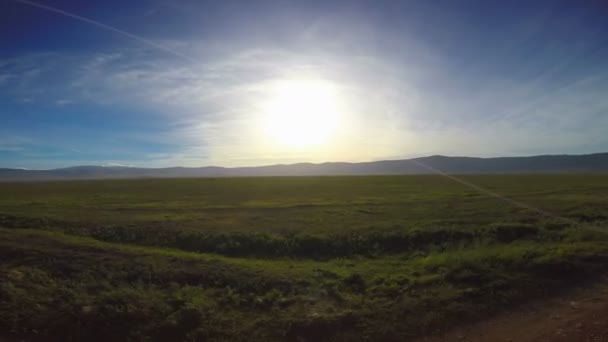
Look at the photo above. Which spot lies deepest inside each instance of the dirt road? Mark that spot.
(578, 316)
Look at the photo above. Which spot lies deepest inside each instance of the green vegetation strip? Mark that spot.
(305, 245)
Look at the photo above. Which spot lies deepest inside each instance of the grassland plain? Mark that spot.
(288, 258)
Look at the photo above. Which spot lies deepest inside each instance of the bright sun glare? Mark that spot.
(302, 113)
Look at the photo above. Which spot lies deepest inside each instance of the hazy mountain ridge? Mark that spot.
(589, 163)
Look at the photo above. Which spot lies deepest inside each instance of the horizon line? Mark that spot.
(299, 163)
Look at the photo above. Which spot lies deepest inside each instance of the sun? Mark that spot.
(302, 113)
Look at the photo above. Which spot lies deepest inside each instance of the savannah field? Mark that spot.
(376, 258)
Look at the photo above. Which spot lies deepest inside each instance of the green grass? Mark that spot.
(312, 204)
(303, 258)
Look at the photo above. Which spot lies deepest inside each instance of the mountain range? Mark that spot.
(588, 163)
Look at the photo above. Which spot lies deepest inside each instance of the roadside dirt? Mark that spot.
(580, 315)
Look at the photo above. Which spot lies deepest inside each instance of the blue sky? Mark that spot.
(166, 83)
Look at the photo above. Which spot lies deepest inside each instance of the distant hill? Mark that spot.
(589, 163)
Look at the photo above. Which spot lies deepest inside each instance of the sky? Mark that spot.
(241, 83)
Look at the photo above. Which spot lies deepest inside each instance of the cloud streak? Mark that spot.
(106, 27)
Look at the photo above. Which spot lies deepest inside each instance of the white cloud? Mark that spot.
(395, 110)
(13, 143)
(63, 102)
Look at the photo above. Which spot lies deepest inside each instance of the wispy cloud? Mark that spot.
(63, 102)
(411, 100)
(13, 143)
